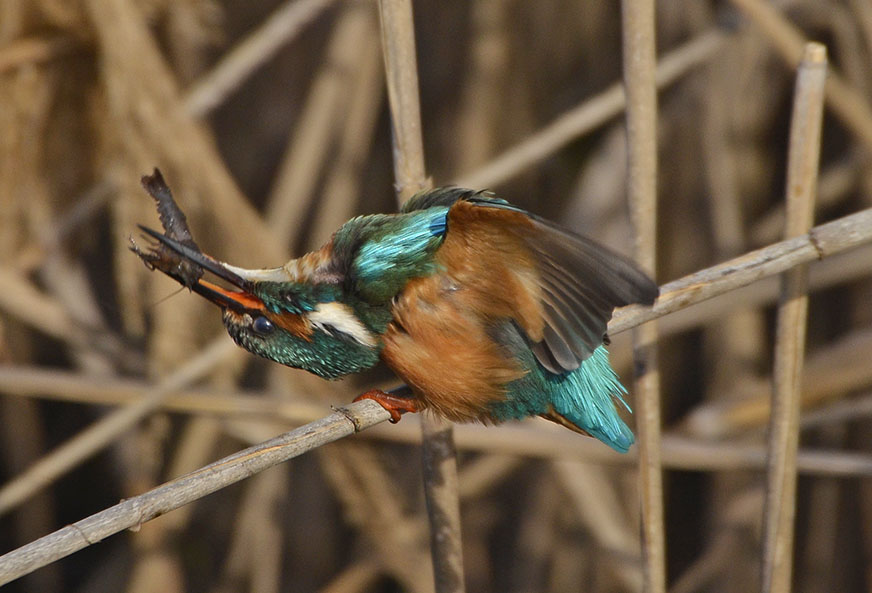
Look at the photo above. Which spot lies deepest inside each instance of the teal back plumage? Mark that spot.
(385, 251)
(389, 250)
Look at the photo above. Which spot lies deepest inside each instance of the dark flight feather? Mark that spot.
(581, 281)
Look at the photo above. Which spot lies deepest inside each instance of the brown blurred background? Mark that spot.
(95, 93)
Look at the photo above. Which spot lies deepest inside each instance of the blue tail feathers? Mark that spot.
(587, 396)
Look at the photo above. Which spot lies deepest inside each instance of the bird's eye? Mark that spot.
(262, 325)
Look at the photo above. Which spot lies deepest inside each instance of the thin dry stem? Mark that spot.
(137, 510)
(401, 71)
(639, 55)
(357, 578)
(443, 504)
(343, 184)
(250, 53)
(528, 440)
(588, 116)
(834, 185)
(440, 463)
(828, 374)
(95, 437)
(24, 301)
(320, 120)
(845, 101)
(599, 507)
(30, 51)
(802, 171)
(374, 502)
(822, 241)
(840, 269)
(840, 412)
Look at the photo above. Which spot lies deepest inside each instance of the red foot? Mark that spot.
(395, 404)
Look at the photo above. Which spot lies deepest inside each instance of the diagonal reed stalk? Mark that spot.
(233, 468)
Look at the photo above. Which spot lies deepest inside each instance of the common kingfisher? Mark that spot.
(486, 312)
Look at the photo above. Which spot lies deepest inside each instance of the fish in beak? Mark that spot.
(177, 255)
(186, 265)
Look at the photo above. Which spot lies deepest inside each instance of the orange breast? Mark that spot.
(444, 354)
(439, 344)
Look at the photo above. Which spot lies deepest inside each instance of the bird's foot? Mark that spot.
(396, 405)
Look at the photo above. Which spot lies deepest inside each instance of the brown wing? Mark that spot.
(559, 286)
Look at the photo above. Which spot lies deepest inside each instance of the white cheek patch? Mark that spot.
(338, 317)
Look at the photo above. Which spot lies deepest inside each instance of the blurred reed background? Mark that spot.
(270, 122)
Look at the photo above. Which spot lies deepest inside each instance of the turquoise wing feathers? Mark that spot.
(389, 250)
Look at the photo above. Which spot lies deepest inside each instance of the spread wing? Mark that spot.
(582, 283)
(578, 282)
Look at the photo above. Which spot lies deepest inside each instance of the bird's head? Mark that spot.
(281, 314)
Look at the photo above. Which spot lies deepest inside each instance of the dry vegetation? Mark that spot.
(270, 122)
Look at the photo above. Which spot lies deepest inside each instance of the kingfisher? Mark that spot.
(485, 311)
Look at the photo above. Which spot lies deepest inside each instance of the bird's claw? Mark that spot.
(394, 404)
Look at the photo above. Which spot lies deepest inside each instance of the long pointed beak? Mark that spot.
(239, 301)
(201, 259)
(230, 299)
